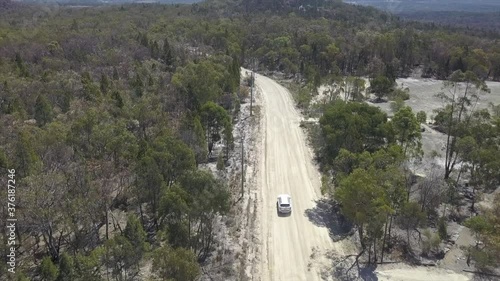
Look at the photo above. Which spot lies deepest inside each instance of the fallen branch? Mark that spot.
(388, 262)
(482, 273)
(345, 258)
(356, 262)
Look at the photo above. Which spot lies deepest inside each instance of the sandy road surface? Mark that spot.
(286, 167)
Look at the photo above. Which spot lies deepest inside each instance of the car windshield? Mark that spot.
(285, 205)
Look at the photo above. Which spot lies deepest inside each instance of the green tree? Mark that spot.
(160, 166)
(116, 76)
(137, 85)
(175, 264)
(21, 66)
(381, 86)
(442, 228)
(397, 104)
(149, 182)
(167, 53)
(4, 161)
(27, 161)
(43, 110)
(209, 199)
(74, 25)
(406, 129)
(66, 268)
(479, 150)
(172, 156)
(358, 88)
(118, 100)
(422, 117)
(363, 202)
(463, 93)
(104, 84)
(136, 235)
(354, 126)
(410, 218)
(199, 82)
(48, 271)
(87, 266)
(91, 92)
(485, 228)
(154, 49)
(220, 163)
(193, 134)
(382, 168)
(82, 130)
(121, 258)
(174, 211)
(215, 119)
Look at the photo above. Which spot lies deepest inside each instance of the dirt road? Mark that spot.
(290, 243)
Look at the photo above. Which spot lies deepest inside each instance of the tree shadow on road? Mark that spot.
(368, 273)
(327, 214)
(344, 268)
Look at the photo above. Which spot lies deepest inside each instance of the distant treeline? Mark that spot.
(409, 6)
(318, 39)
(486, 22)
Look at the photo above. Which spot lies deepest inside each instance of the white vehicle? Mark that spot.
(284, 204)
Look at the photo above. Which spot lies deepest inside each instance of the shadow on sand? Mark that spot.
(346, 270)
(327, 214)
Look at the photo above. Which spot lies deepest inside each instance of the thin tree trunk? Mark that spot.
(360, 232)
(449, 142)
(390, 227)
(383, 240)
(473, 198)
(370, 253)
(142, 214)
(474, 185)
(107, 223)
(189, 229)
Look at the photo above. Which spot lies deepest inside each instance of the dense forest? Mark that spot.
(114, 109)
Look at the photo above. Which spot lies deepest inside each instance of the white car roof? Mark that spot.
(284, 198)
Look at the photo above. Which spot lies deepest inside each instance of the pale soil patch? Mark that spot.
(401, 272)
(455, 258)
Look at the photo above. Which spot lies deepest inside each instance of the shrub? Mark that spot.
(244, 93)
(426, 243)
(442, 229)
(397, 105)
(421, 117)
(403, 94)
(220, 162)
(303, 98)
(48, 270)
(430, 243)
